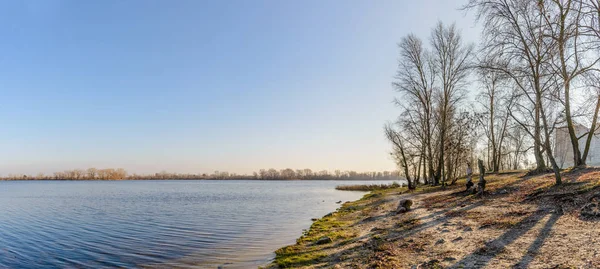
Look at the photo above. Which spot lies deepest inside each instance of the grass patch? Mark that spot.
(407, 223)
(351, 208)
(295, 260)
(370, 196)
(324, 227)
(336, 225)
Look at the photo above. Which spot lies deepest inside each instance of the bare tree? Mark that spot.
(427, 141)
(593, 81)
(568, 29)
(91, 173)
(516, 38)
(496, 100)
(451, 60)
(400, 153)
(414, 80)
(516, 148)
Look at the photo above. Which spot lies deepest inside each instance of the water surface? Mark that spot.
(174, 224)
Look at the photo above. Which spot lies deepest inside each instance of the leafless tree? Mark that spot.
(452, 64)
(574, 40)
(516, 38)
(497, 100)
(415, 81)
(431, 82)
(403, 157)
(91, 173)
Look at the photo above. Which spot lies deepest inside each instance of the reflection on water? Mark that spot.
(186, 224)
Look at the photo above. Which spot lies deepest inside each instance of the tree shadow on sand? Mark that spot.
(539, 241)
(437, 218)
(371, 244)
(482, 256)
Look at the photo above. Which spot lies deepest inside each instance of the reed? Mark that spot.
(367, 187)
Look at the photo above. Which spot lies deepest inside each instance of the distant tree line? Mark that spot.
(263, 174)
(324, 175)
(75, 174)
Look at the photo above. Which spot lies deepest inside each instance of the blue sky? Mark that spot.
(198, 86)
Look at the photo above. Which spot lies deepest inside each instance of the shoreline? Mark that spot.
(293, 257)
(521, 221)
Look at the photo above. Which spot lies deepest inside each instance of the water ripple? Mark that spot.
(156, 224)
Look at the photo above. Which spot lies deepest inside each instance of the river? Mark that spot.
(157, 224)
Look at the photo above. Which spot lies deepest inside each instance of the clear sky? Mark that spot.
(197, 86)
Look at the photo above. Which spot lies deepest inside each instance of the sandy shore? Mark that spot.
(521, 222)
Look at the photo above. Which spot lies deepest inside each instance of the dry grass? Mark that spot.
(367, 187)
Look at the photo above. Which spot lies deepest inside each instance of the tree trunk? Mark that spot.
(537, 140)
(566, 77)
(424, 169)
(481, 183)
(440, 167)
(430, 160)
(418, 171)
(555, 167)
(492, 131)
(592, 130)
(577, 160)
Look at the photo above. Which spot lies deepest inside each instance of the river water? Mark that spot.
(157, 224)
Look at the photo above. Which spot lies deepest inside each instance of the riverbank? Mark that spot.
(521, 222)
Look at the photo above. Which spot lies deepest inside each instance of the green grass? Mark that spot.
(294, 259)
(335, 225)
